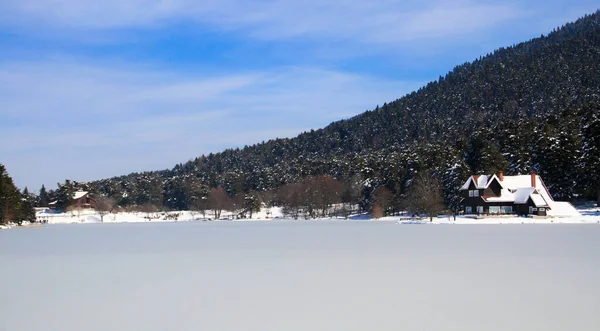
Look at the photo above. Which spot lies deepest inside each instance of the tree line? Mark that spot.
(15, 206)
(534, 106)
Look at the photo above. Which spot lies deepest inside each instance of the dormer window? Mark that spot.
(473, 193)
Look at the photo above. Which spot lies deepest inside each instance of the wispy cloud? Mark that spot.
(383, 21)
(90, 112)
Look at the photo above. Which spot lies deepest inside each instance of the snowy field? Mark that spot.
(299, 276)
(586, 215)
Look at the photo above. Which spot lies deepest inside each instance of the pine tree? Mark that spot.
(26, 210)
(64, 195)
(10, 199)
(252, 202)
(43, 198)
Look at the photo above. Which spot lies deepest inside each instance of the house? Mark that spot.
(81, 200)
(522, 194)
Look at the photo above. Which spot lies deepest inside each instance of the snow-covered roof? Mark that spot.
(538, 201)
(480, 181)
(505, 196)
(507, 182)
(522, 194)
(79, 194)
(562, 209)
(520, 181)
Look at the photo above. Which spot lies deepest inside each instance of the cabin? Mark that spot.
(81, 200)
(521, 195)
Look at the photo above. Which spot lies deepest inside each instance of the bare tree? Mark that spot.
(149, 209)
(105, 206)
(290, 196)
(384, 198)
(377, 211)
(425, 195)
(198, 204)
(236, 207)
(322, 192)
(218, 200)
(353, 188)
(267, 197)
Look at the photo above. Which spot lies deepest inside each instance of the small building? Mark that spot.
(81, 200)
(522, 195)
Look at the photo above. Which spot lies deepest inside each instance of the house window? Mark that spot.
(494, 210)
(468, 210)
(542, 209)
(470, 193)
(476, 193)
(530, 210)
(507, 209)
(479, 209)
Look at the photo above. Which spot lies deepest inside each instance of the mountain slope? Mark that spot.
(531, 106)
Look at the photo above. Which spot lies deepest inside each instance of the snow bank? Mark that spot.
(562, 209)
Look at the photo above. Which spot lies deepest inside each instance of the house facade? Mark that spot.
(499, 194)
(81, 199)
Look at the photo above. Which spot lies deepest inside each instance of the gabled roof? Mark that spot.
(480, 181)
(79, 195)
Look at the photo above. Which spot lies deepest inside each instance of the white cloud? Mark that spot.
(383, 21)
(86, 121)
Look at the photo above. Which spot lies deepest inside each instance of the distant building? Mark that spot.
(523, 195)
(81, 200)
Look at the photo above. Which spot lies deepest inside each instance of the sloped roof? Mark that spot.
(538, 200)
(481, 181)
(520, 181)
(522, 194)
(562, 209)
(79, 194)
(505, 196)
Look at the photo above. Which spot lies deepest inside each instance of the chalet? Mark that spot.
(81, 200)
(523, 195)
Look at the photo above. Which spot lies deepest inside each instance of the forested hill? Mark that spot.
(531, 106)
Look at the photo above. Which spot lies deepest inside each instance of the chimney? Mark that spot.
(533, 176)
(501, 176)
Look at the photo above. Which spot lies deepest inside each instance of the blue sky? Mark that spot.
(94, 89)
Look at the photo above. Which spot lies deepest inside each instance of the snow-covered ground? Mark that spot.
(298, 276)
(587, 215)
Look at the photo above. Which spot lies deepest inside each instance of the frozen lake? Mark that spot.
(292, 276)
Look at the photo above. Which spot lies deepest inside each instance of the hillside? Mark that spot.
(531, 106)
